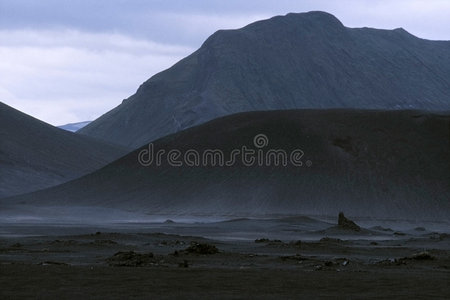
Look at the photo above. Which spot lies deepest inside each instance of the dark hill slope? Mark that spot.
(367, 163)
(35, 155)
(306, 60)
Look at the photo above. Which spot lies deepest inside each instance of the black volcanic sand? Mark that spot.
(243, 258)
(35, 155)
(368, 163)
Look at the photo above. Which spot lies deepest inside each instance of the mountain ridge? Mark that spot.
(298, 61)
(35, 155)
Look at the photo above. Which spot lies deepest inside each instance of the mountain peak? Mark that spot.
(312, 20)
(300, 60)
(316, 16)
(291, 26)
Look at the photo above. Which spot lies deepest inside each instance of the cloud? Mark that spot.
(67, 76)
(66, 61)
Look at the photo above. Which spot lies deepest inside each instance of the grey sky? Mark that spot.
(67, 61)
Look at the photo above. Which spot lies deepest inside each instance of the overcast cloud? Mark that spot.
(66, 60)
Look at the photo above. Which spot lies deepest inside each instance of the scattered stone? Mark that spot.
(419, 229)
(276, 243)
(347, 224)
(296, 243)
(184, 264)
(403, 261)
(168, 221)
(64, 243)
(103, 242)
(399, 233)
(131, 259)
(171, 243)
(271, 242)
(393, 261)
(444, 236)
(201, 248)
(422, 256)
(54, 263)
(330, 240)
(296, 257)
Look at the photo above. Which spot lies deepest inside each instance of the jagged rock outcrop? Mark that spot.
(347, 224)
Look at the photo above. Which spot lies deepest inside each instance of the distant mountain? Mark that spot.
(305, 60)
(379, 164)
(35, 155)
(74, 126)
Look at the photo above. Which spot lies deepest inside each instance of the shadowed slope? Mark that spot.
(307, 60)
(35, 155)
(366, 163)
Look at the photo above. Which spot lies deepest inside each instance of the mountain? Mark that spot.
(380, 164)
(74, 126)
(304, 60)
(35, 155)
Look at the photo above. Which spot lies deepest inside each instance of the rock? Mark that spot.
(54, 263)
(347, 224)
(272, 242)
(296, 257)
(296, 243)
(330, 240)
(404, 260)
(184, 264)
(422, 256)
(131, 259)
(103, 242)
(399, 233)
(64, 243)
(444, 236)
(197, 248)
